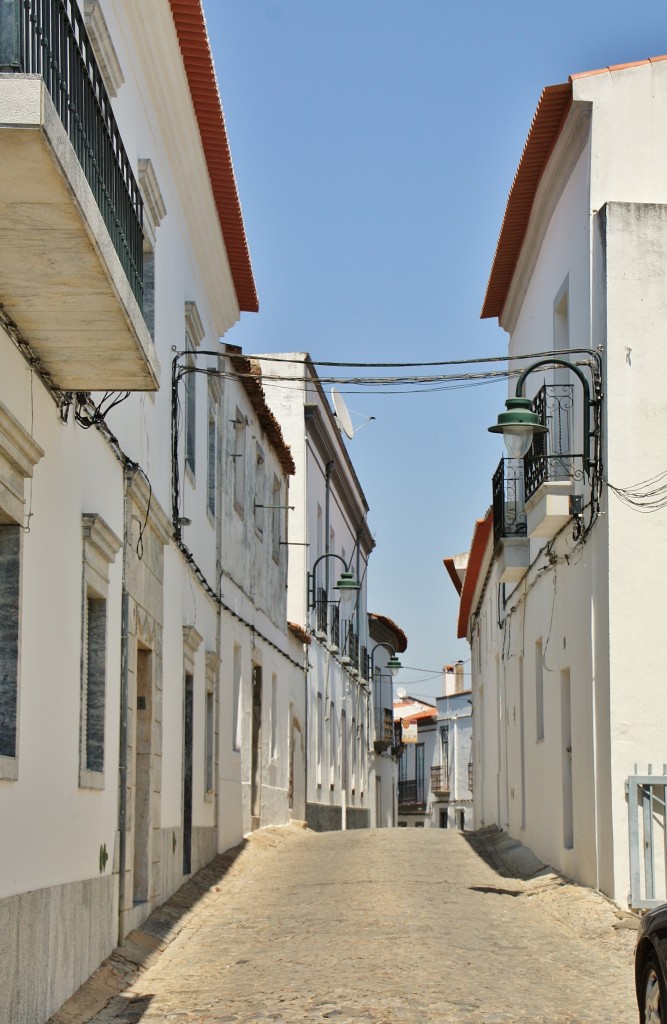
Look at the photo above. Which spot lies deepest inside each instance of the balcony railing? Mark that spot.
(509, 517)
(440, 780)
(550, 456)
(48, 38)
(384, 729)
(470, 775)
(411, 793)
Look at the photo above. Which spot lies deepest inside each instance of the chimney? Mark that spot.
(459, 684)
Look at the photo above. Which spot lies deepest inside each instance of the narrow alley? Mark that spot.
(391, 926)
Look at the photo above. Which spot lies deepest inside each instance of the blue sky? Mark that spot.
(374, 144)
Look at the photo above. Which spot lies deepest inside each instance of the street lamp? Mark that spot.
(347, 586)
(519, 424)
(393, 665)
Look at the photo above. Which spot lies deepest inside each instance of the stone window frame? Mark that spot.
(210, 725)
(214, 447)
(100, 547)
(239, 424)
(19, 454)
(154, 213)
(105, 52)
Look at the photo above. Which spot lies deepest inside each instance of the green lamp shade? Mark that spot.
(394, 665)
(347, 586)
(518, 425)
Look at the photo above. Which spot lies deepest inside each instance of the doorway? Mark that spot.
(142, 775)
(188, 701)
(256, 767)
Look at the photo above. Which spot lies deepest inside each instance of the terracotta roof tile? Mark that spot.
(193, 40)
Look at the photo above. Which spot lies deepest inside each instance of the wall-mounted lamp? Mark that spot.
(393, 665)
(347, 586)
(519, 424)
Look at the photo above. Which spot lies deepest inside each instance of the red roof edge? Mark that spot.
(401, 638)
(193, 40)
(453, 575)
(480, 539)
(553, 108)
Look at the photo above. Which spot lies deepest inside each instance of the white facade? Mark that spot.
(143, 564)
(328, 532)
(435, 769)
(566, 625)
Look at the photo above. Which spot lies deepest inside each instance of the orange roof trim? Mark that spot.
(550, 115)
(552, 109)
(193, 40)
(480, 539)
(401, 638)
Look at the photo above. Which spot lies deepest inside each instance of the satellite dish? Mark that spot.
(401, 693)
(342, 415)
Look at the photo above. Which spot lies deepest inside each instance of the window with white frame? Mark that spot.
(239, 461)
(277, 513)
(19, 454)
(213, 446)
(260, 489)
(100, 547)
(194, 333)
(236, 699)
(274, 716)
(212, 667)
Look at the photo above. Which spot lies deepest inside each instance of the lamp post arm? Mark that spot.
(387, 647)
(555, 361)
(311, 576)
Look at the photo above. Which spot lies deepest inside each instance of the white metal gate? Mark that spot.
(648, 838)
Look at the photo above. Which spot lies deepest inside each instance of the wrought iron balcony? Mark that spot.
(72, 232)
(440, 780)
(384, 729)
(550, 456)
(509, 517)
(470, 775)
(411, 794)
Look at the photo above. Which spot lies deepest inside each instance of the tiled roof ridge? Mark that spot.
(548, 120)
(195, 47)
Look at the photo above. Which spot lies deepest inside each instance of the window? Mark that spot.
(154, 211)
(212, 667)
(260, 488)
(277, 513)
(403, 766)
(18, 455)
(274, 716)
(332, 745)
(100, 547)
(10, 564)
(419, 771)
(236, 698)
(213, 446)
(319, 739)
(238, 459)
(444, 745)
(194, 333)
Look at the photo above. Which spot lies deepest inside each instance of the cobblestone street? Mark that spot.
(386, 926)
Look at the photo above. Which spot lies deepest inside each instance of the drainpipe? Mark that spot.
(124, 690)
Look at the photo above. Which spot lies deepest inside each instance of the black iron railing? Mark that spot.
(352, 646)
(384, 728)
(509, 516)
(550, 456)
(48, 38)
(321, 611)
(364, 663)
(470, 775)
(440, 779)
(411, 793)
(334, 634)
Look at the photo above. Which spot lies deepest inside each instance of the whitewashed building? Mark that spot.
(562, 597)
(150, 689)
(435, 767)
(328, 538)
(387, 641)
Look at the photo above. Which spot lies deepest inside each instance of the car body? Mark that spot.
(651, 967)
